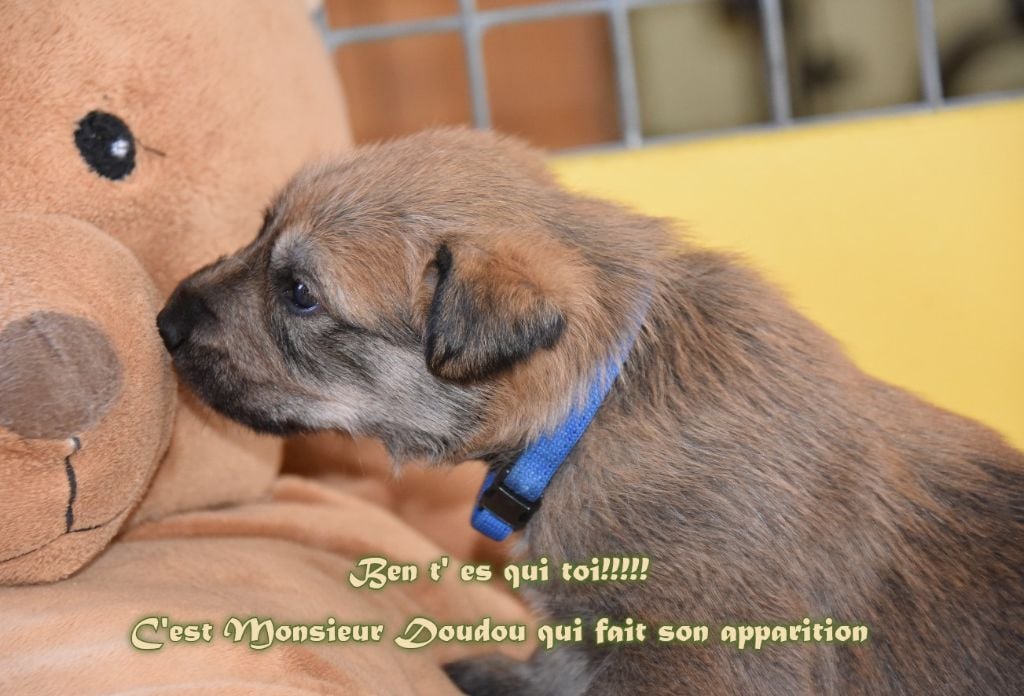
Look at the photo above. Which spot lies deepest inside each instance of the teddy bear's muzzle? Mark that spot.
(60, 376)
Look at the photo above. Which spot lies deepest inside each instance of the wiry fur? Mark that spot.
(466, 302)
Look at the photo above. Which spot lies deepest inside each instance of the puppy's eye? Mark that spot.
(301, 298)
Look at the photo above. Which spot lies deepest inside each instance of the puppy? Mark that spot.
(443, 294)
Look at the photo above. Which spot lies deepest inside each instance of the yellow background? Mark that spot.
(902, 236)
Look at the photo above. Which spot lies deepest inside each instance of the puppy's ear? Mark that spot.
(487, 314)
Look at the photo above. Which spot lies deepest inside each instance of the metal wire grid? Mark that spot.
(472, 23)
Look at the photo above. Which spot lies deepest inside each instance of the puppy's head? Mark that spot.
(424, 292)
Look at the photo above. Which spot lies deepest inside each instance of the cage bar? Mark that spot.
(484, 20)
(928, 52)
(774, 36)
(625, 72)
(473, 44)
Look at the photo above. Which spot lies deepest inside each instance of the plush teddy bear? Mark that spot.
(125, 121)
(139, 140)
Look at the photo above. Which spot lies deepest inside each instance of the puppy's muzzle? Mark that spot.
(180, 317)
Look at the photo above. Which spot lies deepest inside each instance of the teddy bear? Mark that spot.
(140, 140)
(86, 399)
(116, 129)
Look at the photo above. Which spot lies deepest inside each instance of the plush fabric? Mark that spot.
(437, 502)
(288, 559)
(140, 140)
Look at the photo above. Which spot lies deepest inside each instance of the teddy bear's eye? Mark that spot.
(106, 144)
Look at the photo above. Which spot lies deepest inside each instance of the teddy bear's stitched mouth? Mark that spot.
(69, 470)
(69, 512)
(62, 534)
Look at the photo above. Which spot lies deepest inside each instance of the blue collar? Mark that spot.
(509, 496)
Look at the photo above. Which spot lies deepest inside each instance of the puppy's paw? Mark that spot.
(490, 675)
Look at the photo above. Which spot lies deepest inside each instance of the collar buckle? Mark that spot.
(506, 504)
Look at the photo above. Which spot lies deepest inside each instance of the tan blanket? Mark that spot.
(287, 558)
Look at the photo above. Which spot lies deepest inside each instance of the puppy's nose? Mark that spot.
(180, 317)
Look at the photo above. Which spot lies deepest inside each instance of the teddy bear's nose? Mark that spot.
(179, 318)
(59, 374)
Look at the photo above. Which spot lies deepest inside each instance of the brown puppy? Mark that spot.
(442, 293)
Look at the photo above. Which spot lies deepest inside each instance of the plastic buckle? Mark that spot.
(506, 504)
